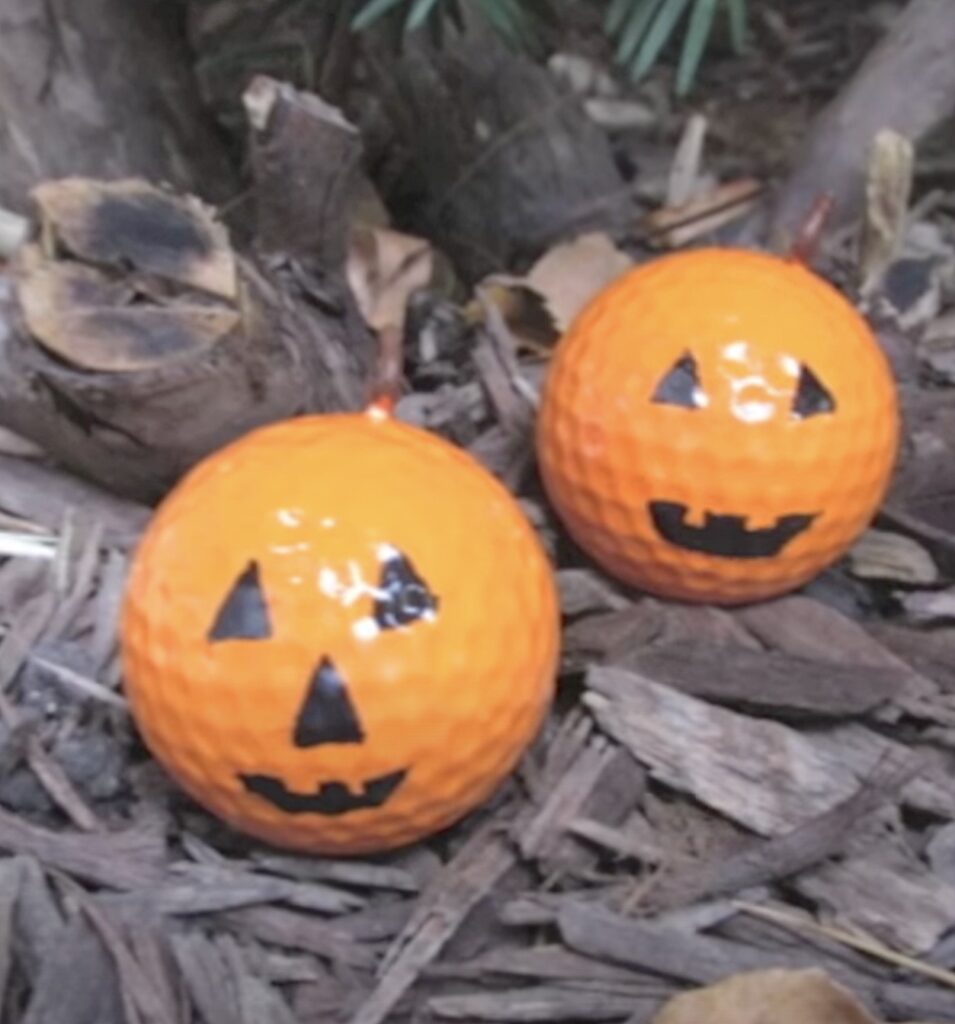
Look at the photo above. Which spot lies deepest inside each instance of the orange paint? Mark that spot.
(340, 633)
(717, 425)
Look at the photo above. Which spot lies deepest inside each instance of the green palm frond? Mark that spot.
(513, 19)
(643, 28)
(640, 29)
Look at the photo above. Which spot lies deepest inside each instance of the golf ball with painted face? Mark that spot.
(717, 425)
(340, 633)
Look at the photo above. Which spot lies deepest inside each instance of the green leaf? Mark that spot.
(657, 36)
(640, 15)
(419, 14)
(509, 18)
(371, 12)
(697, 33)
(616, 15)
(737, 15)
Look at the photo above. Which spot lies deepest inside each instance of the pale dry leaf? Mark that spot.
(384, 267)
(572, 273)
(539, 307)
(888, 188)
(522, 309)
(882, 555)
(776, 996)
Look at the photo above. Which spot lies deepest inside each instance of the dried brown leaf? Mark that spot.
(384, 267)
(538, 307)
(571, 274)
(777, 995)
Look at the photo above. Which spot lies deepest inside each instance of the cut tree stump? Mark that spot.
(134, 340)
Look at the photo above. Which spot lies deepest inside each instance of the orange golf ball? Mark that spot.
(340, 633)
(717, 425)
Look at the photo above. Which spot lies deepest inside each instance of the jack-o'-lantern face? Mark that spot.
(746, 387)
(340, 634)
(398, 598)
(718, 426)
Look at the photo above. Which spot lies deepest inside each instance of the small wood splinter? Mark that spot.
(810, 230)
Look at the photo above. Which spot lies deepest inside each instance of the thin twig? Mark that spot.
(864, 944)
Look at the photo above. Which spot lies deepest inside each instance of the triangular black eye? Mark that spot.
(326, 714)
(243, 615)
(681, 385)
(406, 598)
(811, 397)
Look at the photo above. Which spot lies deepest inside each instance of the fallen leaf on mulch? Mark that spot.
(384, 267)
(780, 996)
(572, 273)
(541, 305)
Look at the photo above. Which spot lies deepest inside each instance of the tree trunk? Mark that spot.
(102, 88)
(907, 83)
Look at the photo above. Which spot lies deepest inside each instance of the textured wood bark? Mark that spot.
(475, 143)
(101, 88)
(501, 162)
(159, 343)
(907, 83)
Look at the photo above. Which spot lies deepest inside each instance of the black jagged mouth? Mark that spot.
(726, 536)
(330, 798)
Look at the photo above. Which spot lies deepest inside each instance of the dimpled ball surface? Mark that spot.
(717, 425)
(340, 634)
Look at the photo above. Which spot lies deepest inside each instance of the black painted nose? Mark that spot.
(327, 714)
